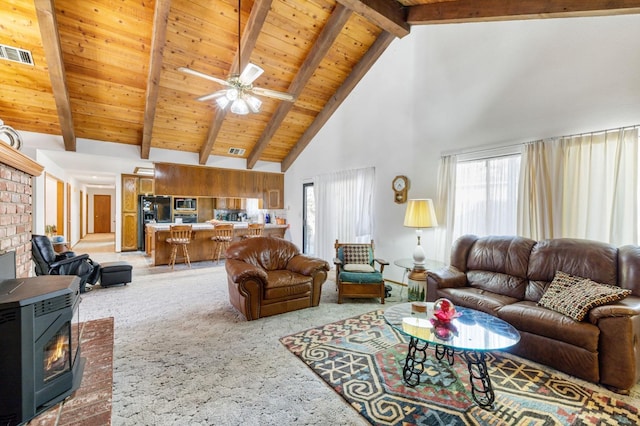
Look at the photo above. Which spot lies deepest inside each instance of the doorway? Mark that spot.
(308, 219)
(101, 214)
(54, 205)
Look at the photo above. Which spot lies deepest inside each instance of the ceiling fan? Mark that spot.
(239, 89)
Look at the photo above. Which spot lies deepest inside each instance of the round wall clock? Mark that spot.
(400, 185)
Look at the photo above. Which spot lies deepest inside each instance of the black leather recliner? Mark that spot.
(48, 262)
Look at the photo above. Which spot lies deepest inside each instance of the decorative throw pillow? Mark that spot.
(358, 267)
(575, 296)
(356, 254)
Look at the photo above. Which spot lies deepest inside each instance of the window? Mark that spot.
(486, 196)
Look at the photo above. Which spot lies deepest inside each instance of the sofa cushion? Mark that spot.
(575, 296)
(476, 298)
(528, 317)
(507, 255)
(268, 253)
(283, 284)
(358, 267)
(583, 258)
(495, 282)
(361, 277)
(356, 254)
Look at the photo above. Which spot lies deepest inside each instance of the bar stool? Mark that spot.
(180, 236)
(254, 230)
(222, 237)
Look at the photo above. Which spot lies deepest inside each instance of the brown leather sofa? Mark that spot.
(507, 276)
(268, 276)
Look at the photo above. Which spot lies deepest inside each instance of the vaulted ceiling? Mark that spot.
(107, 70)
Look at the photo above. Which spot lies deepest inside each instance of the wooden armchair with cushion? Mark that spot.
(269, 276)
(356, 275)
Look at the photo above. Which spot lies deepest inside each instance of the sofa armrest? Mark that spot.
(307, 265)
(448, 277)
(238, 271)
(618, 343)
(627, 307)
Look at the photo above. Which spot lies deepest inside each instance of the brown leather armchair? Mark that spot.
(268, 276)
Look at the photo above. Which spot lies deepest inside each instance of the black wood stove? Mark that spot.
(40, 363)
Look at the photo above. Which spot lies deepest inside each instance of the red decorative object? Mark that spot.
(444, 310)
(444, 329)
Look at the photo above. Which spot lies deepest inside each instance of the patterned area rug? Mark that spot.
(361, 358)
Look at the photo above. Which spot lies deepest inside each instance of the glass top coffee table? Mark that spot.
(472, 334)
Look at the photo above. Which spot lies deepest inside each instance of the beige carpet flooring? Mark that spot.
(184, 356)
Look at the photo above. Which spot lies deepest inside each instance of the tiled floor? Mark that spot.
(90, 405)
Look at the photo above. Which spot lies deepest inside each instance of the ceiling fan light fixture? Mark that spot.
(222, 102)
(238, 88)
(232, 93)
(254, 103)
(240, 107)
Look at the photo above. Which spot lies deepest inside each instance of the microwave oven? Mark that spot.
(184, 204)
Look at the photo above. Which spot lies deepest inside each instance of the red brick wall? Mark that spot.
(16, 216)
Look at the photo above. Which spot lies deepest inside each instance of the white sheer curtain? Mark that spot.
(582, 187)
(344, 209)
(539, 205)
(445, 207)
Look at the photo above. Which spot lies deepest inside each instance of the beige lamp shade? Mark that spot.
(420, 214)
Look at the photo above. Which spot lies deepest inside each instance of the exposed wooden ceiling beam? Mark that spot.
(212, 134)
(247, 44)
(502, 10)
(377, 48)
(45, 10)
(325, 40)
(158, 40)
(389, 15)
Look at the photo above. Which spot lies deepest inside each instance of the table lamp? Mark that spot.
(420, 214)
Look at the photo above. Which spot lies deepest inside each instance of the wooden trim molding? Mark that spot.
(14, 158)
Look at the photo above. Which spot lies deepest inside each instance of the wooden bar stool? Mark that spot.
(254, 230)
(180, 236)
(222, 237)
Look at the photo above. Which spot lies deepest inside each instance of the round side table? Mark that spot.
(417, 280)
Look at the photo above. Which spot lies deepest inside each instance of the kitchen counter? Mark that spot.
(201, 246)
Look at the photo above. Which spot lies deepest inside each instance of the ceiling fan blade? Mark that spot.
(250, 73)
(273, 94)
(203, 75)
(213, 95)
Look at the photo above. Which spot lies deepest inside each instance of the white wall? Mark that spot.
(51, 201)
(451, 87)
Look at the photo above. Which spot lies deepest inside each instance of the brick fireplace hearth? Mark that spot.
(16, 205)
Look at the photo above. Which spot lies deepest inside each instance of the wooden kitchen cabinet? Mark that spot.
(231, 203)
(129, 193)
(130, 185)
(129, 231)
(273, 199)
(202, 181)
(145, 186)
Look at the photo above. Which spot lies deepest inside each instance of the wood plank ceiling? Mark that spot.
(106, 70)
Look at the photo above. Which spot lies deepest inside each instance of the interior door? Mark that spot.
(101, 214)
